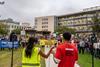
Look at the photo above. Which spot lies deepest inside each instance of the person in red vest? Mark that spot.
(66, 54)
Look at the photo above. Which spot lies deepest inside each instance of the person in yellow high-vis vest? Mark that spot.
(46, 42)
(53, 41)
(42, 41)
(31, 54)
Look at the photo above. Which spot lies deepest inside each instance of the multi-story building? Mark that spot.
(11, 25)
(25, 26)
(45, 23)
(81, 21)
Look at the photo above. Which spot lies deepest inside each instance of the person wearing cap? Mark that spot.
(66, 54)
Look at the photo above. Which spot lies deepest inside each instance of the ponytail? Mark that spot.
(30, 46)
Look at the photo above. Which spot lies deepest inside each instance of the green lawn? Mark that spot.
(5, 59)
(85, 61)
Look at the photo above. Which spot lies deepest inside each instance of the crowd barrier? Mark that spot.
(8, 44)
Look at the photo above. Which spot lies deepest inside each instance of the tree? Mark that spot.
(17, 31)
(3, 29)
(62, 29)
(96, 25)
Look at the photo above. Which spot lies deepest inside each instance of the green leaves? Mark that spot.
(62, 29)
(17, 31)
(96, 25)
(96, 22)
(3, 29)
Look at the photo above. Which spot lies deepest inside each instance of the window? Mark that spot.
(35, 23)
(45, 19)
(45, 29)
(12, 26)
(35, 20)
(44, 26)
(17, 27)
(44, 22)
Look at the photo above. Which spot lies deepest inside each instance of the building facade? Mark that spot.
(81, 21)
(11, 25)
(45, 23)
(25, 26)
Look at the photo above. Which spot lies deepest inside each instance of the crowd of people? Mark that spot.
(85, 46)
(65, 54)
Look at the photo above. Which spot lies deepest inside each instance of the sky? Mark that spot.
(27, 10)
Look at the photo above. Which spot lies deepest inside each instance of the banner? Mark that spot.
(8, 44)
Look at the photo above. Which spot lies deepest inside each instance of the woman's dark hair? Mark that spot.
(31, 42)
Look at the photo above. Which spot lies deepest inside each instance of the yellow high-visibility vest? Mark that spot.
(49, 42)
(46, 42)
(53, 42)
(42, 42)
(34, 61)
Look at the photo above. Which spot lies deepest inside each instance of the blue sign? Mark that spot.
(8, 44)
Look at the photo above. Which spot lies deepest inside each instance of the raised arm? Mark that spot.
(45, 55)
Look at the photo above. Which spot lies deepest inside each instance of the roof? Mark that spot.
(80, 13)
(9, 21)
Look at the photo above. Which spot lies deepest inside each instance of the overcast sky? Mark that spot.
(27, 10)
